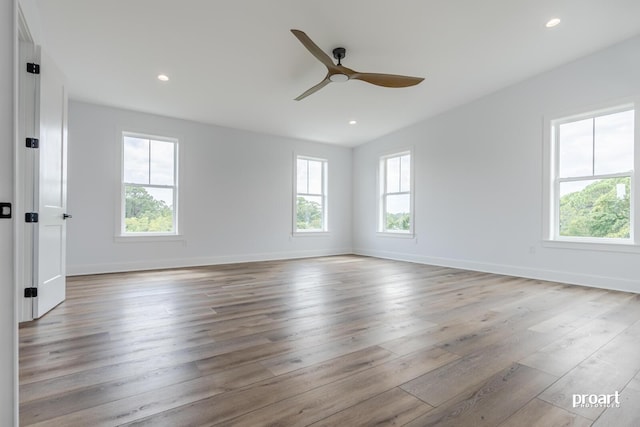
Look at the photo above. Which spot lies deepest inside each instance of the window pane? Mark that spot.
(303, 174)
(315, 177)
(405, 173)
(136, 160)
(398, 214)
(576, 148)
(393, 175)
(148, 209)
(595, 208)
(162, 162)
(614, 143)
(309, 213)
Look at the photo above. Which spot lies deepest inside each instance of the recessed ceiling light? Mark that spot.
(553, 22)
(163, 77)
(352, 122)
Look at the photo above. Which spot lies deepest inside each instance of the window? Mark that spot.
(592, 176)
(310, 195)
(396, 189)
(149, 185)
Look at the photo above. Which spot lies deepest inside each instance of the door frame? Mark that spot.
(9, 130)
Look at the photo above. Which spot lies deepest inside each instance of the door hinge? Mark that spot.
(31, 217)
(30, 292)
(33, 143)
(33, 68)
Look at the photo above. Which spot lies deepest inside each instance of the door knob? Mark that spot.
(65, 216)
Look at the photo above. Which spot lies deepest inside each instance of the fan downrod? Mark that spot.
(339, 53)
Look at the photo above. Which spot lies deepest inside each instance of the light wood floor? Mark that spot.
(335, 341)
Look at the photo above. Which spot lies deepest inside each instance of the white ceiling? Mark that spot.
(235, 63)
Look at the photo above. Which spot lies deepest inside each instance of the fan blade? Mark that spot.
(314, 89)
(387, 80)
(314, 49)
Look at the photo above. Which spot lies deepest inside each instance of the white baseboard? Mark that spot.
(77, 270)
(612, 283)
(604, 282)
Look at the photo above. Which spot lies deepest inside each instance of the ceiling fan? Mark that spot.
(340, 73)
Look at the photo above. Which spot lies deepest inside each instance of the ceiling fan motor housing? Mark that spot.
(339, 53)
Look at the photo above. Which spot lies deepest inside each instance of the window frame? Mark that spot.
(552, 181)
(324, 196)
(121, 233)
(382, 193)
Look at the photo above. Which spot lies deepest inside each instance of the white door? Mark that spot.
(50, 190)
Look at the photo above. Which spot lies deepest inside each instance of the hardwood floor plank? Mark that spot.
(154, 401)
(362, 338)
(321, 402)
(267, 393)
(506, 324)
(634, 384)
(562, 355)
(442, 384)
(624, 312)
(76, 342)
(442, 332)
(491, 402)
(568, 321)
(120, 361)
(391, 408)
(538, 413)
(72, 400)
(341, 340)
(627, 415)
(606, 371)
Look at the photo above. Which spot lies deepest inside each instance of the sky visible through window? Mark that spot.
(309, 176)
(595, 146)
(150, 162)
(398, 180)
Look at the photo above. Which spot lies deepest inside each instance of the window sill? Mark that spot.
(624, 247)
(310, 234)
(395, 235)
(137, 238)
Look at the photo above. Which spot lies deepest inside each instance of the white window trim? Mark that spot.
(325, 199)
(550, 207)
(381, 183)
(122, 236)
(151, 237)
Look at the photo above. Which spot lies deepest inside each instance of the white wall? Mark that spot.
(8, 324)
(235, 194)
(478, 172)
(478, 179)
